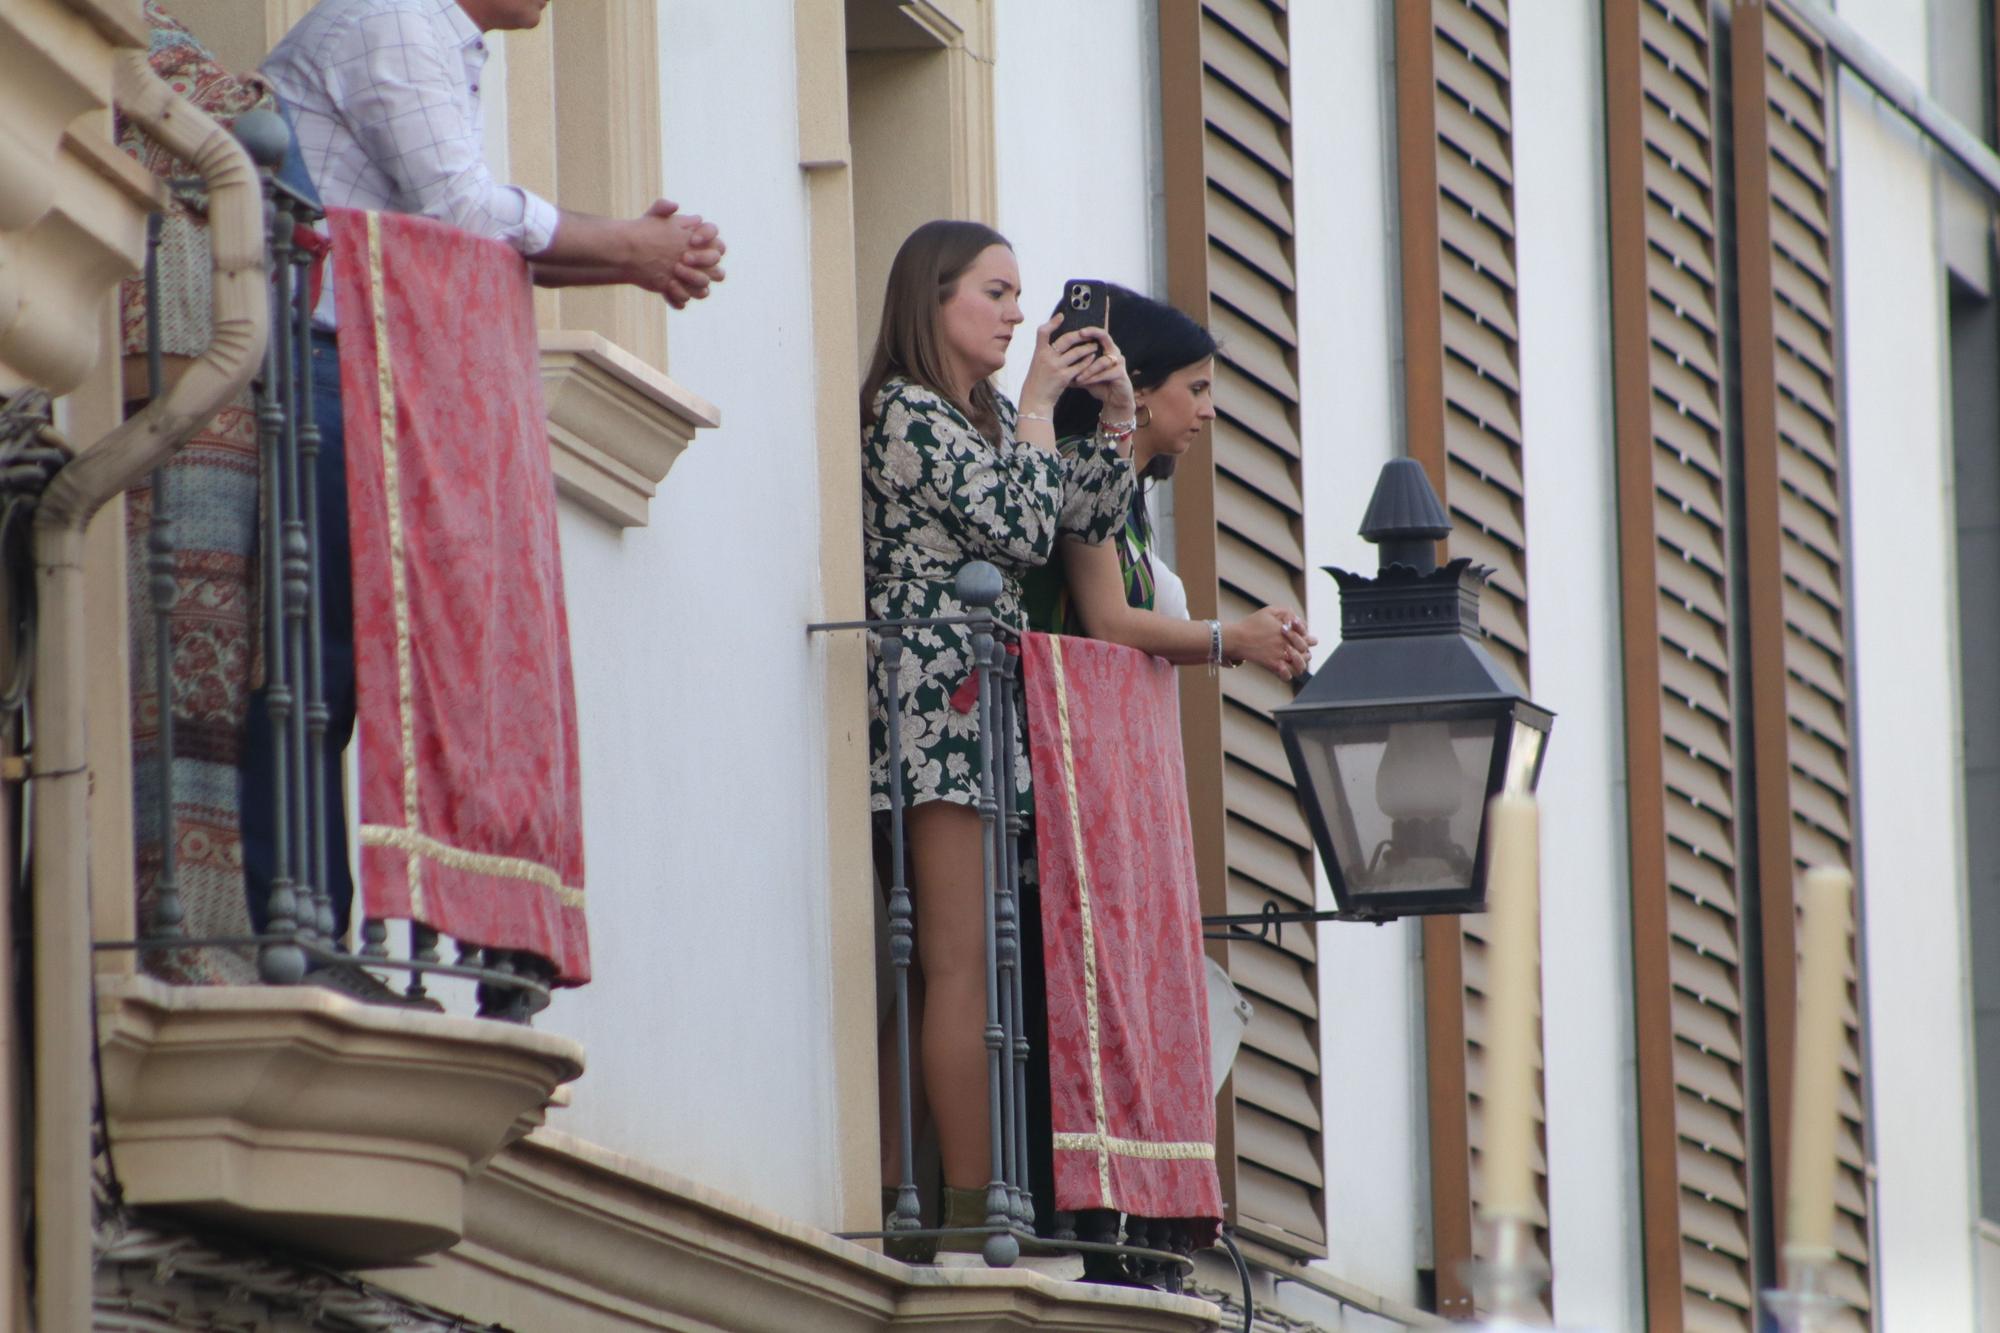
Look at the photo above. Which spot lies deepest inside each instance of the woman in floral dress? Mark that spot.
(952, 473)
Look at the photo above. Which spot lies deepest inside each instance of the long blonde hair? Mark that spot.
(925, 275)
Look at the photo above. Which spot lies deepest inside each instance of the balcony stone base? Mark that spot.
(562, 1234)
(343, 1131)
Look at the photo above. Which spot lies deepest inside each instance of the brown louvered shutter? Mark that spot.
(1795, 550)
(1455, 151)
(1674, 523)
(1239, 546)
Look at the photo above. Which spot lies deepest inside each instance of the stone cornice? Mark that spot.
(616, 425)
(563, 1234)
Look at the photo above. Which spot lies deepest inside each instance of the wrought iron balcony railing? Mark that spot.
(298, 942)
(1124, 1250)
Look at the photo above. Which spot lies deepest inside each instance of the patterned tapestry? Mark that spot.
(1133, 1106)
(471, 799)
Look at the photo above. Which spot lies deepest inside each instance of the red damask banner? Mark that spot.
(1132, 1106)
(471, 798)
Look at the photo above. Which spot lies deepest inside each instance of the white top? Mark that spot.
(385, 95)
(1169, 593)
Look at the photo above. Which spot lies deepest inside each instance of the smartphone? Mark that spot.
(1086, 304)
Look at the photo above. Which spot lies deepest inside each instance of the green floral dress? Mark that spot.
(1045, 591)
(935, 495)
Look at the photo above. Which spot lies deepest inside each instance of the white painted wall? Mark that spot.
(1371, 1026)
(1588, 1056)
(1071, 113)
(1899, 478)
(703, 783)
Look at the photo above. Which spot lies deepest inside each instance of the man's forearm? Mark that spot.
(554, 274)
(585, 240)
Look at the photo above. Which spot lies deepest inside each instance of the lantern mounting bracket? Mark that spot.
(1272, 920)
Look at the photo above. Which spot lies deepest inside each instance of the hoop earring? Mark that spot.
(1143, 417)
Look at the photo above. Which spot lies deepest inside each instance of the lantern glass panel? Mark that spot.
(1403, 798)
(1524, 757)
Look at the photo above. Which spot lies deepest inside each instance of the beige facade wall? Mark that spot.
(920, 91)
(824, 157)
(583, 129)
(240, 32)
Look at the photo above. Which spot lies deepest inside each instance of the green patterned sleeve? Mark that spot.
(1098, 487)
(992, 503)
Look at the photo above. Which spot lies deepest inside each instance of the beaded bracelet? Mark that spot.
(1214, 645)
(1117, 431)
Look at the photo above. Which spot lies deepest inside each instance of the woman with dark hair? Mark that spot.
(952, 473)
(1118, 591)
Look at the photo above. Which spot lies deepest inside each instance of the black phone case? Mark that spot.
(1085, 304)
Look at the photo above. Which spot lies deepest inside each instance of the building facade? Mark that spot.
(1684, 305)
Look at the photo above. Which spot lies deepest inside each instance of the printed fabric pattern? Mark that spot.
(936, 494)
(212, 630)
(1046, 590)
(1133, 1112)
(471, 809)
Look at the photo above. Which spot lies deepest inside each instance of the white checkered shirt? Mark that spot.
(385, 94)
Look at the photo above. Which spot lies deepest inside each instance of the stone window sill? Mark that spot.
(616, 425)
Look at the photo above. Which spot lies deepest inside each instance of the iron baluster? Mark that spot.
(316, 715)
(1006, 931)
(1011, 864)
(294, 570)
(280, 960)
(1001, 1248)
(423, 949)
(902, 942)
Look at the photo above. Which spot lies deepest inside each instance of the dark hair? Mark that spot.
(1157, 341)
(925, 275)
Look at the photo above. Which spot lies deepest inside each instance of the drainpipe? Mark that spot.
(62, 943)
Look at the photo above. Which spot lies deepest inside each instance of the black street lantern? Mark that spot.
(1399, 741)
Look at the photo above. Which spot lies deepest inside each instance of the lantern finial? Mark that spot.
(1404, 517)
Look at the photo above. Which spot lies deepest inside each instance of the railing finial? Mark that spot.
(978, 584)
(264, 136)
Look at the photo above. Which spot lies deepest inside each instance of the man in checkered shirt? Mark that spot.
(384, 95)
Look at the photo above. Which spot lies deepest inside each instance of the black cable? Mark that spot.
(1228, 1242)
(114, 1188)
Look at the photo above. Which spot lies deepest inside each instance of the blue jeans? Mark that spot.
(258, 786)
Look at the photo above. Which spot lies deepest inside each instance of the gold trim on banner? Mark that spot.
(1158, 1152)
(1089, 930)
(416, 845)
(399, 591)
(413, 843)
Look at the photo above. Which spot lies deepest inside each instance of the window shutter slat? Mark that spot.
(1461, 330)
(1239, 510)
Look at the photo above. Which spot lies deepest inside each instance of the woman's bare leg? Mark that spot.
(946, 848)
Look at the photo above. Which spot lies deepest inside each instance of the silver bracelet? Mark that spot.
(1214, 645)
(1033, 416)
